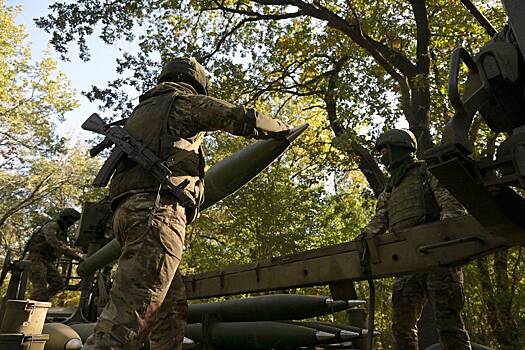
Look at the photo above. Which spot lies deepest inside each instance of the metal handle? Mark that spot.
(460, 54)
(95, 150)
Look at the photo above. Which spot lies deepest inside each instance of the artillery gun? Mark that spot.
(495, 88)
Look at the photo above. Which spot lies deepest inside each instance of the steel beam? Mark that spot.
(443, 243)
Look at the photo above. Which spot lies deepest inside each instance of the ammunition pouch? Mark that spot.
(412, 201)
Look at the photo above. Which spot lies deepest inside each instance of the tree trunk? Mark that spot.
(366, 163)
(418, 113)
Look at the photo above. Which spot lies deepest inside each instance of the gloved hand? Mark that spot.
(361, 236)
(76, 254)
(267, 127)
(80, 257)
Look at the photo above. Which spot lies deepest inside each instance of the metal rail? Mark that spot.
(453, 241)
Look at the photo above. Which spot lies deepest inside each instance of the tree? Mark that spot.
(39, 172)
(362, 66)
(397, 50)
(286, 209)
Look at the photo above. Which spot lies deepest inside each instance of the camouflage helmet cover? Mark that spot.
(397, 137)
(186, 70)
(69, 213)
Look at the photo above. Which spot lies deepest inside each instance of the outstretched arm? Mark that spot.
(207, 113)
(50, 231)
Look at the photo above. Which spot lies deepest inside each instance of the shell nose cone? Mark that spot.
(295, 132)
(188, 341)
(348, 335)
(365, 332)
(352, 303)
(321, 336)
(335, 303)
(73, 344)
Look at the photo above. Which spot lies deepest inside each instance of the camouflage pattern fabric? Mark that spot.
(46, 248)
(148, 296)
(44, 273)
(168, 120)
(148, 293)
(449, 207)
(444, 288)
(50, 243)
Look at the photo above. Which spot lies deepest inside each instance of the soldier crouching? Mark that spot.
(45, 247)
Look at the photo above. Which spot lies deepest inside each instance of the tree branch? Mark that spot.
(422, 35)
(365, 161)
(403, 64)
(336, 22)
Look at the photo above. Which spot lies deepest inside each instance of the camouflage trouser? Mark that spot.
(44, 273)
(148, 295)
(444, 289)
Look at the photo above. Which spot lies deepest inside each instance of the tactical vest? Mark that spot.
(154, 122)
(412, 201)
(38, 244)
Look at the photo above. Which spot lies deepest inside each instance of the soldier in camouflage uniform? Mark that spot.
(413, 197)
(45, 247)
(148, 295)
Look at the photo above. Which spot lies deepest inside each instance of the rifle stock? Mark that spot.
(94, 123)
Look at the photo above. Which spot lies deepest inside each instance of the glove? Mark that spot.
(266, 127)
(76, 254)
(361, 236)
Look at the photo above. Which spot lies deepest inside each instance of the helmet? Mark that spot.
(397, 137)
(69, 213)
(185, 70)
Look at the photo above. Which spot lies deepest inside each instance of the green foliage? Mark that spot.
(297, 203)
(295, 66)
(39, 172)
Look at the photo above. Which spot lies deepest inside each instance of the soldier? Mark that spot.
(412, 197)
(148, 295)
(45, 247)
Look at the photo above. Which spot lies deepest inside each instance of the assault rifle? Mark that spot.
(126, 145)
